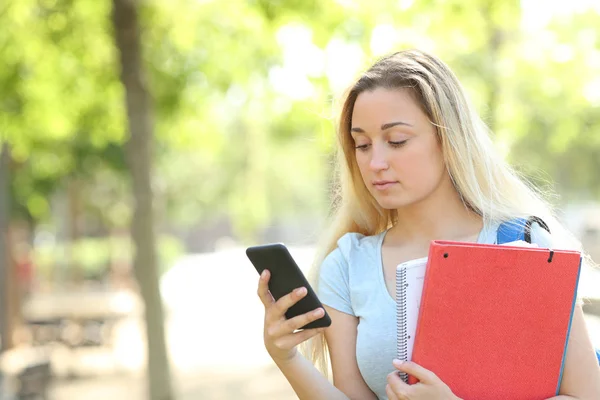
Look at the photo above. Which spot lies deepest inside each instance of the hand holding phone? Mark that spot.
(293, 313)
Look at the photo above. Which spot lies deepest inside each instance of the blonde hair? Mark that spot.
(485, 182)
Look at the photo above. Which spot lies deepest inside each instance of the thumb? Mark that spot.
(422, 374)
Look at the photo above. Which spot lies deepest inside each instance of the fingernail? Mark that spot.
(397, 362)
(263, 274)
(301, 291)
(318, 312)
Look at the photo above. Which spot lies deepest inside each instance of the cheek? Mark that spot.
(362, 160)
(420, 165)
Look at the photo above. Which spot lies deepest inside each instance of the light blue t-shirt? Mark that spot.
(352, 281)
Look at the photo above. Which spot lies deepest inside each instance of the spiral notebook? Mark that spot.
(409, 286)
(493, 321)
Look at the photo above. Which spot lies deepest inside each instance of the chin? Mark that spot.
(392, 203)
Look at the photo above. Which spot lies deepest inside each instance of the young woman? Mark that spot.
(417, 164)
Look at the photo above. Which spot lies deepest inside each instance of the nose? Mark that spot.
(378, 159)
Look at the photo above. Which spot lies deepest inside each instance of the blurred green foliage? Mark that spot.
(245, 95)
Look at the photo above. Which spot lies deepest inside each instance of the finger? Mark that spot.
(394, 380)
(390, 393)
(422, 374)
(294, 339)
(284, 303)
(299, 321)
(263, 289)
(398, 386)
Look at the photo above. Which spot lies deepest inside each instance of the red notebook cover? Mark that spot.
(494, 320)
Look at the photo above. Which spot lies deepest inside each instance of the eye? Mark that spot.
(362, 147)
(398, 144)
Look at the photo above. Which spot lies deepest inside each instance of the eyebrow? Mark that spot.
(383, 127)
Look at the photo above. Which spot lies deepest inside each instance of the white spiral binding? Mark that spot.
(401, 327)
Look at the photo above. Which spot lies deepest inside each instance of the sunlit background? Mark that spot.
(245, 95)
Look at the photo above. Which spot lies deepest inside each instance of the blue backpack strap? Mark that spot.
(511, 231)
(518, 229)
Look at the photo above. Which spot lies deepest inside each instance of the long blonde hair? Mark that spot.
(485, 182)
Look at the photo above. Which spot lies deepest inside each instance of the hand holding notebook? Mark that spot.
(494, 320)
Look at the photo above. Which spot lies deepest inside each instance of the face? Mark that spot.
(397, 150)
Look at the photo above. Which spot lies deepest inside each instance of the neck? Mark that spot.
(440, 216)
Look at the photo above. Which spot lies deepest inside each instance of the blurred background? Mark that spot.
(145, 144)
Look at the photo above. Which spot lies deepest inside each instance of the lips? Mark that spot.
(383, 185)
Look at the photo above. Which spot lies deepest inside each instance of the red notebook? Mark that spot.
(494, 320)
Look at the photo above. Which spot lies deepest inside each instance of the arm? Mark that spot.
(309, 383)
(341, 340)
(281, 339)
(581, 375)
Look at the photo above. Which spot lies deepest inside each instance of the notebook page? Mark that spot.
(519, 243)
(415, 276)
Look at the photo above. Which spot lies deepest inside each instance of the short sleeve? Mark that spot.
(541, 237)
(334, 288)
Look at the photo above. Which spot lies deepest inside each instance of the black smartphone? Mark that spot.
(285, 277)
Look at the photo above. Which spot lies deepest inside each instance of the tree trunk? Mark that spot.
(74, 204)
(127, 36)
(5, 258)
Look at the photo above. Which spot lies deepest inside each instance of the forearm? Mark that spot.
(308, 382)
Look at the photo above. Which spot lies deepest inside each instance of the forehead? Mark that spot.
(382, 105)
